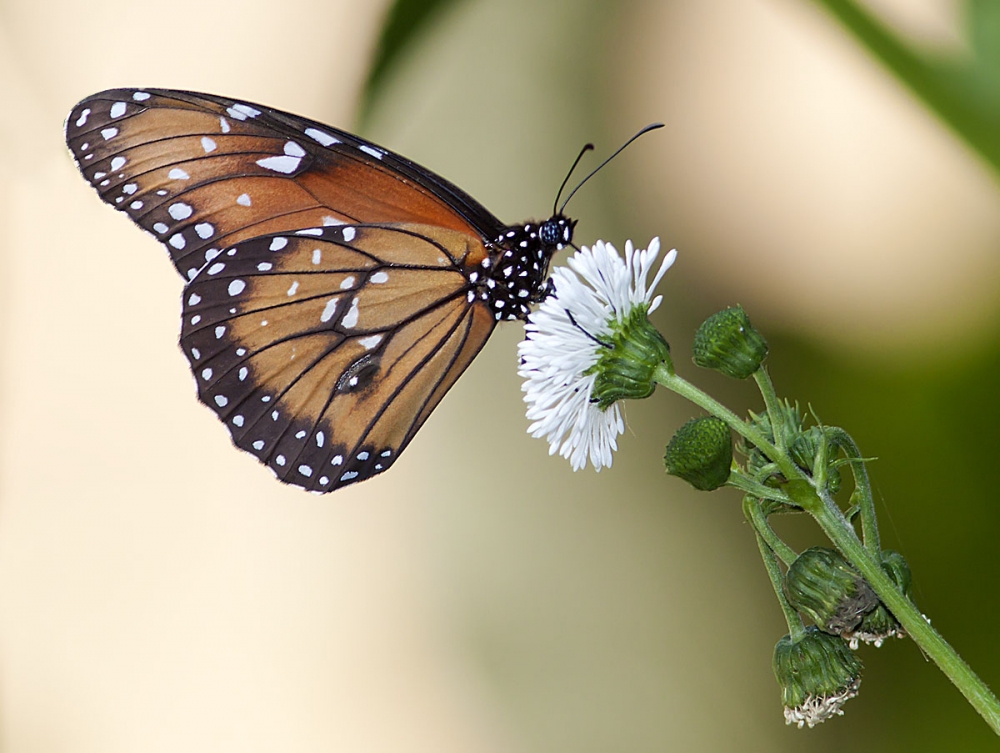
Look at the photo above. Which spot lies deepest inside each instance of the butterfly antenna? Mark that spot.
(647, 129)
(586, 148)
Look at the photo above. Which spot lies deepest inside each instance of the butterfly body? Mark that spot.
(334, 290)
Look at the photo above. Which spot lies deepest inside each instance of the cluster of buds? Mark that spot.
(816, 667)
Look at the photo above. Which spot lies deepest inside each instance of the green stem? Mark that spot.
(842, 534)
(766, 387)
(863, 489)
(747, 485)
(795, 627)
(754, 513)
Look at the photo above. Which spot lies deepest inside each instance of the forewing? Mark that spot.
(324, 351)
(203, 173)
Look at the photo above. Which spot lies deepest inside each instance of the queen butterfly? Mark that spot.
(334, 290)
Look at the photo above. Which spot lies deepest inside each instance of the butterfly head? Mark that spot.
(556, 231)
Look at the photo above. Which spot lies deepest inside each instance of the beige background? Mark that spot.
(160, 592)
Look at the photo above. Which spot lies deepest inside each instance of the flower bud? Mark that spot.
(701, 453)
(824, 586)
(805, 448)
(789, 427)
(880, 623)
(626, 364)
(727, 342)
(818, 674)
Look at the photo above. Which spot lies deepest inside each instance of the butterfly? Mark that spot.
(334, 290)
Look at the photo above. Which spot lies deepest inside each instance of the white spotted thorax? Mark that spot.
(563, 340)
(515, 280)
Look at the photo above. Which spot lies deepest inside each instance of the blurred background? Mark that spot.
(160, 592)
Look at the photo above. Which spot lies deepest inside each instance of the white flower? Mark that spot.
(564, 341)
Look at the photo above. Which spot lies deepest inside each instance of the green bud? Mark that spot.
(790, 428)
(625, 366)
(805, 448)
(701, 453)
(880, 623)
(818, 674)
(824, 586)
(727, 342)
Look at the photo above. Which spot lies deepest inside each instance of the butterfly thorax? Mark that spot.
(514, 273)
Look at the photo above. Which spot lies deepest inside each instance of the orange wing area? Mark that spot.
(324, 351)
(202, 174)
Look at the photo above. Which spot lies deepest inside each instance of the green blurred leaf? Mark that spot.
(404, 22)
(983, 21)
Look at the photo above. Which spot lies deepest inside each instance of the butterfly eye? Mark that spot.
(334, 290)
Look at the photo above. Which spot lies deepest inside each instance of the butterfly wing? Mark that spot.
(331, 300)
(203, 173)
(324, 351)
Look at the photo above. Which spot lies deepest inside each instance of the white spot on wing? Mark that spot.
(310, 231)
(208, 144)
(243, 199)
(178, 174)
(329, 310)
(204, 230)
(216, 268)
(328, 221)
(194, 300)
(180, 211)
(130, 188)
(378, 278)
(317, 256)
(117, 163)
(305, 470)
(294, 150)
(109, 133)
(259, 444)
(221, 400)
(351, 317)
(224, 125)
(117, 109)
(370, 342)
(265, 266)
(242, 112)
(348, 234)
(376, 153)
(238, 420)
(322, 137)
(278, 243)
(82, 120)
(177, 241)
(140, 96)
(236, 287)
(347, 283)
(283, 164)
(219, 332)
(294, 288)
